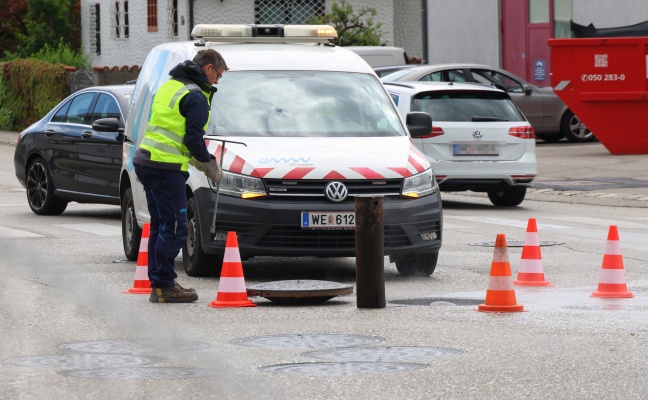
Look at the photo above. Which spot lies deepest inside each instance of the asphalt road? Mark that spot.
(69, 333)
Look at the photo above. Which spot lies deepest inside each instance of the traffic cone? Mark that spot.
(231, 288)
(500, 296)
(612, 282)
(530, 272)
(142, 284)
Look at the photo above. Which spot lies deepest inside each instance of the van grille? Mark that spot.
(313, 190)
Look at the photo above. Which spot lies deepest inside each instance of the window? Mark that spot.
(287, 11)
(60, 114)
(115, 25)
(172, 12)
(106, 107)
(95, 29)
(563, 13)
(538, 11)
(125, 26)
(79, 109)
(151, 15)
(500, 81)
(463, 106)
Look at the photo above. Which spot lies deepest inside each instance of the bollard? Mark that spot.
(370, 258)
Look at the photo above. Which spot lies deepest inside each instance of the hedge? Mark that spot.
(29, 89)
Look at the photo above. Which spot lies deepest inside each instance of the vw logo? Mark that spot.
(477, 134)
(336, 191)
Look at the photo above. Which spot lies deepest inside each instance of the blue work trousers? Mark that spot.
(167, 204)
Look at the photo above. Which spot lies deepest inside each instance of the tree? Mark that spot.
(354, 29)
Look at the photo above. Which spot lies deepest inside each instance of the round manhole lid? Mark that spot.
(384, 354)
(133, 346)
(81, 361)
(150, 373)
(438, 301)
(515, 243)
(306, 341)
(342, 368)
(299, 291)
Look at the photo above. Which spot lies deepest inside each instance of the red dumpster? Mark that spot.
(605, 82)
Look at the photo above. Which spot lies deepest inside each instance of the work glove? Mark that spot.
(197, 164)
(212, 170)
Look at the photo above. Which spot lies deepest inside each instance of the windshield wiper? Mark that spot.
(486, 119)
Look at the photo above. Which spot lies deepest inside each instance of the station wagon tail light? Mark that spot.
(264, 33)
(436, 131)
(523, 132)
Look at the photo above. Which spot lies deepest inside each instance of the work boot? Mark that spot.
(175, 294)
(177, 285)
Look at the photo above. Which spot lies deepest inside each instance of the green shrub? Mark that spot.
(61, 54)
(28, 90)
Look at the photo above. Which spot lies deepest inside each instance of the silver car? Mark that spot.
(548, 115)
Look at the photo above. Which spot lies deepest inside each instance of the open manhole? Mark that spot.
(438, 301)
(81, 361)
(515, 243)
(151, 373)
(299, 292)
(133, 346)
(307, 341)
(342, 368)
(384, 354)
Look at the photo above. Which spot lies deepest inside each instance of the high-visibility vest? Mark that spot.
(167, 127)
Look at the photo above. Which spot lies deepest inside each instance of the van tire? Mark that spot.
(510, 197)
(417, 264)
(131, 231)
(196, 262)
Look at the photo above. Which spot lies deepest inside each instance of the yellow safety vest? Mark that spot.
(164, 137)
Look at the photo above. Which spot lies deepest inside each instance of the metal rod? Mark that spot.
(370, 252)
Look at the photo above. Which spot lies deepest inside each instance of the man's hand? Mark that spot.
(212, 170)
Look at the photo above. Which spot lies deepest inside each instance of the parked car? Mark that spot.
(550, 117)
(62, 158)
(479, 141)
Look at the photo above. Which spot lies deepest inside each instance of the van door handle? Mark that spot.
(86, 134)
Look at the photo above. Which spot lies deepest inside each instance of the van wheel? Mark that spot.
(40, 190)
(131, 232)
(510, 197)
(196, 261)
(417, 264)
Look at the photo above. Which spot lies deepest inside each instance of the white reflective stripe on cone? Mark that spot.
(612, 276)
(231, 255)
(500, 283)
(500, 254)
(531, 239)
(143, 245)
(530, 266)
(613, 247)
(232, 285)
(141, 273)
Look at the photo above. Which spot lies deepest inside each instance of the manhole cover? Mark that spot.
(140, 373)
(341, 369)
(438, 301)
(307, 342)
(384, 354)
(80, 361)
(516, 243)
(299, 291)
(133, 346)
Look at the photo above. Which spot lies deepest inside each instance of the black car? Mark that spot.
(61, 158)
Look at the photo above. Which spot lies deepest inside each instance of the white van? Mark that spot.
(380, 56)
(314, 128)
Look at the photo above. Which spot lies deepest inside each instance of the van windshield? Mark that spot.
(302, 103)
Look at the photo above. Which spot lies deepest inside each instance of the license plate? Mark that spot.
(327, 220)
(475, 149)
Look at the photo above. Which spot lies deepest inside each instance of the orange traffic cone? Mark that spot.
(500, 296)
(231, 288)
(612, 281)
(142, 284)
(530, 272)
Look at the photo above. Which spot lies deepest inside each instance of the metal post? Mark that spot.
(370, 258)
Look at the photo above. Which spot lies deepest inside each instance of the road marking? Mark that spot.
(9, 233)
(603, 222)
(506, 222)
(95, 229)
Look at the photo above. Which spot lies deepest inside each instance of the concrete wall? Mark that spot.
(609, 14)
(407, 27)
(464, 31)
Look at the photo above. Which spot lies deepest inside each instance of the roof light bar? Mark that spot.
(264, 33)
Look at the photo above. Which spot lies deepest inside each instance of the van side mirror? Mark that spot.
(418, 123)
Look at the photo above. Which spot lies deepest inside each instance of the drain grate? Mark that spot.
(438, 301)
(306, 341)
(515, 243)
(341, 368)
(133, 346)
(384, 354)
(140, 373)
(80, 361)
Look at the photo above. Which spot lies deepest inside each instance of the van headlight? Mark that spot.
(419, 185)
(243, 186)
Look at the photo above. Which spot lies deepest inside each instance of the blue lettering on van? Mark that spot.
(289, 160)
